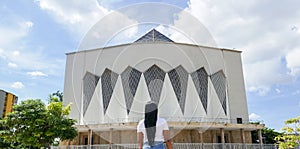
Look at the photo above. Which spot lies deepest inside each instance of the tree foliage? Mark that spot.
(268, 135)
(56, 97)
(32, 124)
(291, 136)
(3, 144)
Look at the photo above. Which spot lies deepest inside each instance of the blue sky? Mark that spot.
(35, 35)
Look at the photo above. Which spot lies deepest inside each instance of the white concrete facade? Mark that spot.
(166, 56)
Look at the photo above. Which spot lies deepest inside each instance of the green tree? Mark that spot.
(55, 97)
(2, 143)
(291, 137)
(268, 135)
(32, 124)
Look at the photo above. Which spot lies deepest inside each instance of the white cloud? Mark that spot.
(16, 53)
(254, 116)
(78, 16)
(278, 90)
(293, 61)
(36, 74)
(11, 35)
(296, 92)
(260, 90)
(266, 42)
(30, 60)
(175, 34)
(179, 32)
(100, 26)
(18, 49)
(262, 74)
(14, 28)
(2, 54)
(17, 85)
(13, 31)
(28, 24)
(117, 32)
(12, 65)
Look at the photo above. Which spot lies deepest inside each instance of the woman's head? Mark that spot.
(150, 121)
(150, 107)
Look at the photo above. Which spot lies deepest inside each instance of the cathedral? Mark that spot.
(200, 91)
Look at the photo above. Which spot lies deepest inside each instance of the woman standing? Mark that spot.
(153, 131)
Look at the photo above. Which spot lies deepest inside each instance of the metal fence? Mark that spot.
(175, 146)
(176, 119)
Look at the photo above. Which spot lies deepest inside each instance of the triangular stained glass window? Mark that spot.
(108, 81)
(200, 78)
(90, 82)
(179, 80)
(218, 79)
(130, 80)
(154, 77)
(152, 36)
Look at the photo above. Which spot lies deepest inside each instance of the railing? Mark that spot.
(175, 146)
(174, 119)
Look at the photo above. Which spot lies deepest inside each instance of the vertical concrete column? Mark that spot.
(243, 136)
(214, 136)
(99, 137)
(260, 137)
(79, 138)
(200, 131)
(68, 145)
(110, 136)
(222, 135)
(89, 138)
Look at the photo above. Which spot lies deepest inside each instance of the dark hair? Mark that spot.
(150, 121)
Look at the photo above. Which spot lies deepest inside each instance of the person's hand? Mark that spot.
(169, 144)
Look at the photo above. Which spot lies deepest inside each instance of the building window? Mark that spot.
(154, 77)
(200, 79)
(179, 79)
(219, 82)
(130, 80)
(90, 82)
(108, 81)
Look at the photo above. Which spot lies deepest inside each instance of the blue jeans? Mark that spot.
(157, 145)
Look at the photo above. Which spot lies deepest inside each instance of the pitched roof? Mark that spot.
(153, 36)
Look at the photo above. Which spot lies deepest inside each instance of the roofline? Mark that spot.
(8, 92)
(135, 43)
